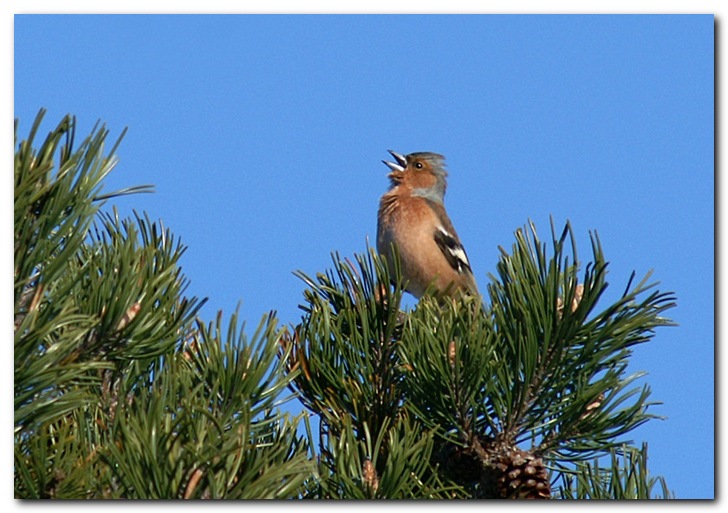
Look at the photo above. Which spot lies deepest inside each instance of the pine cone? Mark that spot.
(521, 476)
(495, 470)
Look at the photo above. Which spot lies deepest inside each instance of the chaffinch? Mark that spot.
(412, 217)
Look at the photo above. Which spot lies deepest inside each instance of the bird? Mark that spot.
(413, 219)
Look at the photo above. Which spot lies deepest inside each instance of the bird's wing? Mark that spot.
(448, 242)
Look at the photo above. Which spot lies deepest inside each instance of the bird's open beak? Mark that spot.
(401, 162)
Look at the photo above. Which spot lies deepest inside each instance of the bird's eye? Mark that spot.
(418, 165)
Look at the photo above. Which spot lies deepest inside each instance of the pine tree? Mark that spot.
(465, 399)
(121, 391)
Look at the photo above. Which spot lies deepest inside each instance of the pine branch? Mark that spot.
(54, 208)
(537, 375)
(568, 358)
(624, 477)
(59, 365)
(206, 426)
(345, 345)
(391, 464)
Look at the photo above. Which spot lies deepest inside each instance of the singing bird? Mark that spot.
(412, 217)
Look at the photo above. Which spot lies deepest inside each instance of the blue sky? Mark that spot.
(263, 136)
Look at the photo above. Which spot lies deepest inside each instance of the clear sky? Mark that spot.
(263, 136)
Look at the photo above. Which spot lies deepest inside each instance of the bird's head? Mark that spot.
(423, 172)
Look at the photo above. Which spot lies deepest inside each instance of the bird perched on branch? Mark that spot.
(412, 217)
